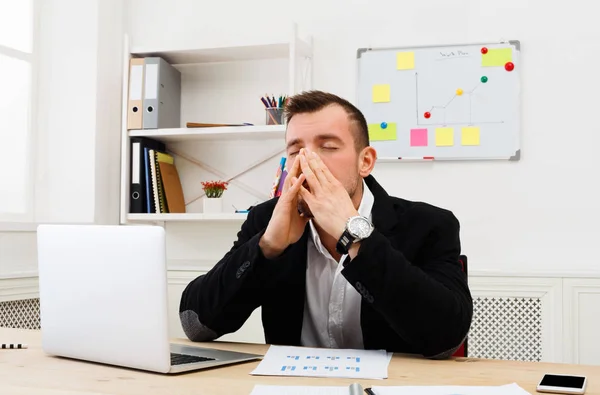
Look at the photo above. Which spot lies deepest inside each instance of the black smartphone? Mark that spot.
(562, 384)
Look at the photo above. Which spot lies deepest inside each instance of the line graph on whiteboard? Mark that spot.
(445, 108)
(442, 102)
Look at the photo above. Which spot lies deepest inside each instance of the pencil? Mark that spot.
(12, 346)
(264, 102)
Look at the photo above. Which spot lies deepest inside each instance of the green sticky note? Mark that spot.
(377, 133)
(381, 93)
(496, 57)
(470, 135)
(444, 137)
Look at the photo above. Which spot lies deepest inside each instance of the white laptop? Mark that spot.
(103, 298)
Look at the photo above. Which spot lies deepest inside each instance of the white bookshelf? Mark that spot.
(187, 217)
(256, 132)
(197, 58)
(179, 55)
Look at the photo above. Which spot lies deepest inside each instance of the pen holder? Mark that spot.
(274, 115)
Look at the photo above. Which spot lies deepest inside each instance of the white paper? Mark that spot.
(298, 390)
(324, 362)
(136, 79)
(509, 389)
(151, 86)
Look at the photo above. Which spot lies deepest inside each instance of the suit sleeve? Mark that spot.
(220, 301)
(430, 305)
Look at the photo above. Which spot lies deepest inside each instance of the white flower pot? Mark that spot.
(212, 205)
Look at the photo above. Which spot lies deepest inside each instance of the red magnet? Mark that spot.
(484, 50)
(427, 114)
(509, 66)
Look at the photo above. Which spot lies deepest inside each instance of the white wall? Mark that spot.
(79, 116)
(67, 116)
(108, 105)
(78, 123)
(536, 215)
(18, 257)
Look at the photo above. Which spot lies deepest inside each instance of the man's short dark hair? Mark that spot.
(313, 101)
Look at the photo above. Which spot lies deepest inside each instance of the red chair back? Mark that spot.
(462, 350)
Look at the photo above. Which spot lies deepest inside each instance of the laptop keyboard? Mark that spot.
(180, 359)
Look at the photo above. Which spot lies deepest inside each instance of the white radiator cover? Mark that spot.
(506, 328)
(23, 314)
(516, 318)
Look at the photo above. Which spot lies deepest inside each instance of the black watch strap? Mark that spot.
(344, 243)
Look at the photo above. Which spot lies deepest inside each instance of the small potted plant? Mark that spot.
(213, 201)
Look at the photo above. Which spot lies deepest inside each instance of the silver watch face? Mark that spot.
(360, 227)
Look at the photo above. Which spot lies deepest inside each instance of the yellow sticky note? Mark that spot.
(444, 137)
(405, 60)
(382, 131)
(470, 135)
(496, 57)
(381, 93)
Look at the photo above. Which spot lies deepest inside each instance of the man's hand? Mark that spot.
(328, 199)
(286, 225)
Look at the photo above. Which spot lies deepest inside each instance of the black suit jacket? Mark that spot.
(415, 294)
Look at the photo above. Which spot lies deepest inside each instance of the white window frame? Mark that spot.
(26, 221)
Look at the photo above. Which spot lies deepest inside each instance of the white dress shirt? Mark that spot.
(332, 305)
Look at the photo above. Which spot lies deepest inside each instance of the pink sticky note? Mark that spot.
(418, 137)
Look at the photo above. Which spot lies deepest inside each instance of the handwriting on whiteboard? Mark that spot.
(452, 54)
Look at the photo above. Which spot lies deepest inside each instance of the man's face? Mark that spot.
(328, 133)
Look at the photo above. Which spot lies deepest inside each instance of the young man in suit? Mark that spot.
(335, 261)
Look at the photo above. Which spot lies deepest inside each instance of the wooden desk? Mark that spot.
(30, 371)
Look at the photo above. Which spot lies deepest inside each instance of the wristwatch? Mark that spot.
(357, 228)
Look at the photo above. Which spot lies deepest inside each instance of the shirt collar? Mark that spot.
(364, 209)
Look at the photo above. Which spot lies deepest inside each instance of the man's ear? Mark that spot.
(366, 161)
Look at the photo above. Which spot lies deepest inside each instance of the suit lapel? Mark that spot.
(385, 222)
(291, 292)
(384, 215)
(299, 284)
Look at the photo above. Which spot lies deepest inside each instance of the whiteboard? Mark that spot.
(452, 102)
